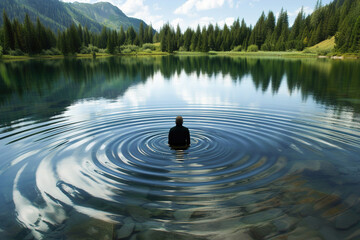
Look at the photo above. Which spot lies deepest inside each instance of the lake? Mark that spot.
(274, 148)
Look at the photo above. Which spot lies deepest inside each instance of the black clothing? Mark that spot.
(179, 136)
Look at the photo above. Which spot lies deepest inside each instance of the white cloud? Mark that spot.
(209, 4)
(229, 21)
(204, 21)
(178, 21)
(186, 7)
(307, 11)
(138, 9)
(201, 5)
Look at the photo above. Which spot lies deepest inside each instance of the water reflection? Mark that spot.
(53, 85)
(266, 156)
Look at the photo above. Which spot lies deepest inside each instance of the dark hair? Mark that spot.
(179, 120)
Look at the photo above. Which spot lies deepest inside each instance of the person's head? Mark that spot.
(179, 121)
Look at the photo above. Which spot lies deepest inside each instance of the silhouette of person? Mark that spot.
(179, 136)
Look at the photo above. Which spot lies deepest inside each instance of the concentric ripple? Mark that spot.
(123, 157)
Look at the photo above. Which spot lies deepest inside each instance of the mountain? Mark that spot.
(59, 15)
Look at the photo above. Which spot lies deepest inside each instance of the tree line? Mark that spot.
(340, 18)
(35, 38)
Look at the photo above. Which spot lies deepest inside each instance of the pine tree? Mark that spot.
(195, 41)
(211, 38)
(178, 38)
(217, 36)
(122, 36)
(130, 35)
(149, 33)
(18, 35)
(103, 38)
(86, 38)
(355, 37)
(30, 39)
(204, 41)
(187, 39)
(73, 39)
(8, 34)
(111, 42)
(226, 41)
(141, 33)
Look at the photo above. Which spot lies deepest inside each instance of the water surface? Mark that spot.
(274, 153)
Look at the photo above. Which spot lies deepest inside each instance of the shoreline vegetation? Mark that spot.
(278, 54)
(331, 31)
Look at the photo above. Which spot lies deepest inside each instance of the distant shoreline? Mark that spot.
(211, 53)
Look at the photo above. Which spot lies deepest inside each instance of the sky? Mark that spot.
(190, 13)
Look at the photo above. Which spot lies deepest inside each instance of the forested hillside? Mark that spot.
(341, 18)
(18, 38)
(58, 15)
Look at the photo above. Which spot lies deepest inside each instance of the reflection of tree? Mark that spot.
(45, 88)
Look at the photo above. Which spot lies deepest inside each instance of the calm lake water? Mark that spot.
(274, 154)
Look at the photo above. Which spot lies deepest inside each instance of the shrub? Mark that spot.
(182, 49)
(93, 48)
(52, 51)
(266, 47)
(149, 46)
(16, 52)
(147, 50)
(253, 48)
(1, 51)
(126, 50)
(237, 48)
(102, 50)
(84, 50)
(129, 48)
(117, 50)
(323, 52)
(307, 50)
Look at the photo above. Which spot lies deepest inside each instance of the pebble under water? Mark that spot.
(263, 164)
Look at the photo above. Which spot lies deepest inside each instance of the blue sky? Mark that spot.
(190, 13)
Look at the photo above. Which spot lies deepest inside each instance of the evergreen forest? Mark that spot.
(340, 18)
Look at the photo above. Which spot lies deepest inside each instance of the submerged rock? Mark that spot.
(322, 167)
(328, 233)
(301, 233)
(139, 213)
(261, 231)
(163, 235)
(346, 220)
(126, 229)
(182, 215)
(311, 222)
(285, 224)
(233, 235)
(90, 229)
(262, 216)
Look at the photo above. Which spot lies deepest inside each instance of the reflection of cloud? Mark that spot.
(204, 90)
(37, 219)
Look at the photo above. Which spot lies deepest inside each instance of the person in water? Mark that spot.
(179, 136)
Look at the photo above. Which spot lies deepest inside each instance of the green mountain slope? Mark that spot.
(106, 14)
(60, 15)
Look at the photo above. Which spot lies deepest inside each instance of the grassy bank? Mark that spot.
(295, 54)
(267, 54)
